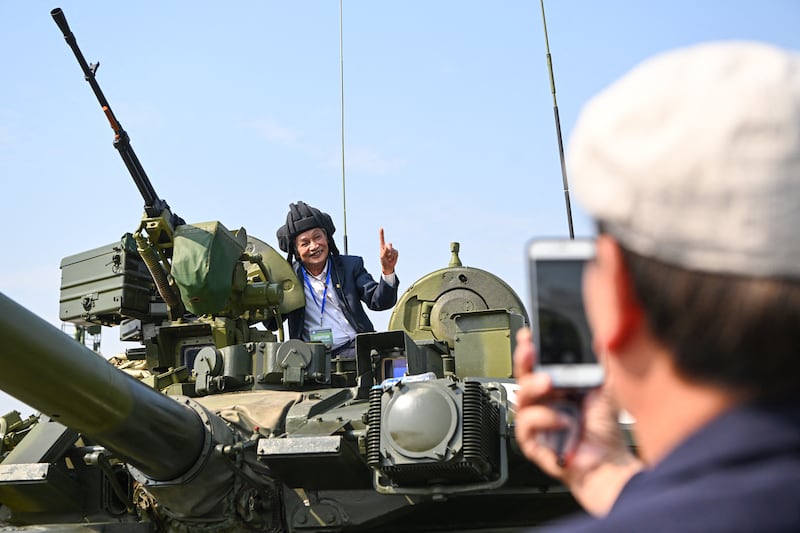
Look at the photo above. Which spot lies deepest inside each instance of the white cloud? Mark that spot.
(367, 160)
(274, 132)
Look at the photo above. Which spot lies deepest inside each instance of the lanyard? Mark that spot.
(324, 293)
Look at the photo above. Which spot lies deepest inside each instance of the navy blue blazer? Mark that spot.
(739, 473)
(353, 285)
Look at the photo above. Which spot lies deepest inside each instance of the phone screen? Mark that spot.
(564, 336)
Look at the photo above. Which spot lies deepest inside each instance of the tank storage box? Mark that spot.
(105, 285)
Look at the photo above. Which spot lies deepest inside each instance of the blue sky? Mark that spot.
(235, 112)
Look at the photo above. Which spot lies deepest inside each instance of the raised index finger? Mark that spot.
(383, 242)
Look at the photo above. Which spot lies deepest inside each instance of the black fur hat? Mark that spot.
(302, 217)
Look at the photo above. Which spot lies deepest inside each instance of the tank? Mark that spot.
(217, 423)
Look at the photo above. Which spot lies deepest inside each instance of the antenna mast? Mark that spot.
(558, 125)
(341, 90)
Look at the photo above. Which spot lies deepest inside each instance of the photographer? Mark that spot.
(691, 166)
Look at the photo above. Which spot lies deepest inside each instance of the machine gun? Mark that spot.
(159, 221)
(153, 205)
(236, 283)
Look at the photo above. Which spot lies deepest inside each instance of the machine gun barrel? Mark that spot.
(53, 373)
(153, 205)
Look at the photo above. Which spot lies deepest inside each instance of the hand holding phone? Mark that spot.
(561, 333)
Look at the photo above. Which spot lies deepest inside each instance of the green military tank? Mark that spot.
(215, 423)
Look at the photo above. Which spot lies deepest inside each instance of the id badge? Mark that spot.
(325, 336)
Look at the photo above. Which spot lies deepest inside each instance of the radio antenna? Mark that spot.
(558, 124)
(341, 91)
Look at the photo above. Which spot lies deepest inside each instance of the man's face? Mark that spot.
(312, 247)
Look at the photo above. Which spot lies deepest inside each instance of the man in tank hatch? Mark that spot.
(690, 165)
(336, 286)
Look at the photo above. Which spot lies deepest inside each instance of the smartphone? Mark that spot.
(560, 329)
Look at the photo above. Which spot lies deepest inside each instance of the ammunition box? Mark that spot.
(105, 285)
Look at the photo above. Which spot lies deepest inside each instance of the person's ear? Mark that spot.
(622, 313)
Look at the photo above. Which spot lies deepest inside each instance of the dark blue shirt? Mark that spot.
(740, 472)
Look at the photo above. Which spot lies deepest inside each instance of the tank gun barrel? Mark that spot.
(49, 371)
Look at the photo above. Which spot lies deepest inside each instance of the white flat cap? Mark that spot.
(693, 158)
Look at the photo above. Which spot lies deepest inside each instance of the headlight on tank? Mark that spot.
(420, 422)
(436, 433)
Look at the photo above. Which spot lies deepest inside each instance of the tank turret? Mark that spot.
(422, 439)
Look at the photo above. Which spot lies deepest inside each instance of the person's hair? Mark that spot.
(736, 332)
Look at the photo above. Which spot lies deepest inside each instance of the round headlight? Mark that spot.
(420, 420)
